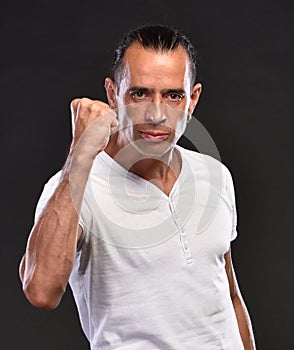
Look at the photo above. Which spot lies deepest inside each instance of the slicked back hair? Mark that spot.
(155, 37)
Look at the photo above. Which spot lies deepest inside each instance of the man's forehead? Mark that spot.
(137, 51)
(160, 62)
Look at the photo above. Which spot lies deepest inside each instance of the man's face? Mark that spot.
(155, 95)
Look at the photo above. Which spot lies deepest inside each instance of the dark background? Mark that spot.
(52, 52)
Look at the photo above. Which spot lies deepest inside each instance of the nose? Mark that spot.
(155, 113)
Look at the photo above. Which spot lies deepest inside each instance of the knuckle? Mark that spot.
(95, 108)
(99, 108)
(84, 101)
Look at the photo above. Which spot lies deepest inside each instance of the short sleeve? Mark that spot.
(231, 195)
(47, 193)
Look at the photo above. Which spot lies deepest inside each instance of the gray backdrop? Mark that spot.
(53, 52)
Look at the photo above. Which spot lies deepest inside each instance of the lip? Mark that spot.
(154, 136)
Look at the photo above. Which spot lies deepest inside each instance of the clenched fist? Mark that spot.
(92, 124)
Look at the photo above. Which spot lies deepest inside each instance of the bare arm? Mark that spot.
(242, 315)
(47, 263)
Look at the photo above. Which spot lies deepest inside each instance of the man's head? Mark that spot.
(157, 38)
(153, 87)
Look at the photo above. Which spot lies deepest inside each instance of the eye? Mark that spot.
(174, 97)
(139, 95)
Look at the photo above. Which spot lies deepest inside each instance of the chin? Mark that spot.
(152, 149)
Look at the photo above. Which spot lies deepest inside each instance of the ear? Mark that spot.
(110, 89)
(195, 94)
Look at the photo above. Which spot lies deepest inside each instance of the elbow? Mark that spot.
(42, 293)
(43, 298)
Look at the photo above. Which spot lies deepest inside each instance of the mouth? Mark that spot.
(154, 136)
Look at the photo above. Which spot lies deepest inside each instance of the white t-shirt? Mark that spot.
(149, 271)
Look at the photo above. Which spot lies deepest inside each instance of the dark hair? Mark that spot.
(155, 37)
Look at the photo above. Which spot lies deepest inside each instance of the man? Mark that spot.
(141, 227)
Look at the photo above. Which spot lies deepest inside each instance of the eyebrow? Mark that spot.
(173, 91)
(179, 91)
(139, 88)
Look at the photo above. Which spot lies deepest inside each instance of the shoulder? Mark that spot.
(202, 160)
(210, 167)
(53, 180)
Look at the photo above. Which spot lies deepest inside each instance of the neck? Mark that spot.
(162, 171)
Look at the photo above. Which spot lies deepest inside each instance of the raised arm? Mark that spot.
(47, 263)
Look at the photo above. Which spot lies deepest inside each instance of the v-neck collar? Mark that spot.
(115, 166)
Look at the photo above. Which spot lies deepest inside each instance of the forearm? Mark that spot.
(244, 323)
(51, 247)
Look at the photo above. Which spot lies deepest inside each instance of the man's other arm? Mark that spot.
(243, 319)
